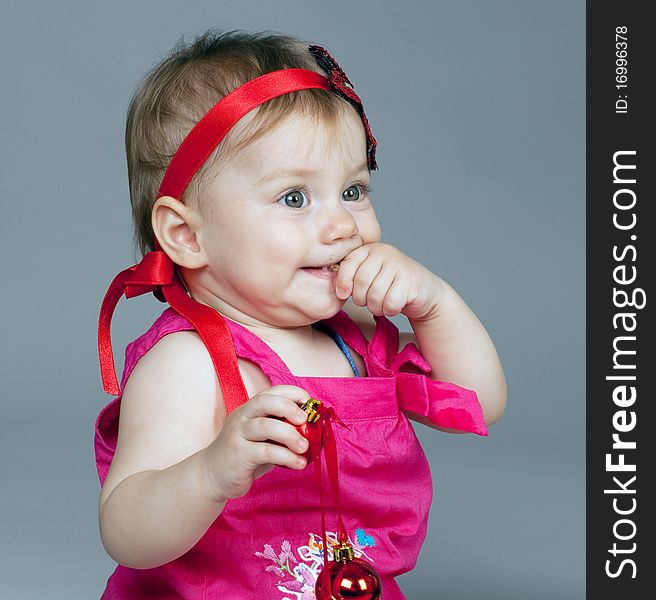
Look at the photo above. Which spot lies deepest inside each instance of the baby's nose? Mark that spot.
(339, 224)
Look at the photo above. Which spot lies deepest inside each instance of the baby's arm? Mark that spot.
(179, 459)
(458, 348)
(450, 337)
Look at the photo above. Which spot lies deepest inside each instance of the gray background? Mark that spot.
(478, 108)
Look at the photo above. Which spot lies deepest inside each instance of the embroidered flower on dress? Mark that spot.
(305, 573)
(281, 560)
(303, 585)
(363, 540)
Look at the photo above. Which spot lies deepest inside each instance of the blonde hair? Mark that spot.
(177, 92)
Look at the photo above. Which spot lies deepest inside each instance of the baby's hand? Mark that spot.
(388, 282)
(243, 450)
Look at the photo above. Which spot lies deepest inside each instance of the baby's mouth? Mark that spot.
(332, 267)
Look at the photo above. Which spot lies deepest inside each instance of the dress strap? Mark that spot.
(340, 342)
(247, 346)
(251, 347)
(349, 331)
(372, 355)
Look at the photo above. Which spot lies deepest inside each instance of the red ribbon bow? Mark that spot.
(156, 273)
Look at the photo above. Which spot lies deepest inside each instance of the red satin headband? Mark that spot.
(156, 272)
(213, 127)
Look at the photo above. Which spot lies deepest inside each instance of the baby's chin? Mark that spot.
(340, 305)
(322, 313)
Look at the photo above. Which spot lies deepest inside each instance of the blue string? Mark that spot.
(340, 342)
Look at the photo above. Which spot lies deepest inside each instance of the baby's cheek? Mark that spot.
(370, 231)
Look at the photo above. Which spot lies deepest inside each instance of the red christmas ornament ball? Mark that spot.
(353, 579)
(310, 430)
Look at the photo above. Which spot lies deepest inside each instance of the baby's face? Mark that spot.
(295, 198)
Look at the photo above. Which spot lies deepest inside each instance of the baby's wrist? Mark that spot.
(438, 296)
(212, 489)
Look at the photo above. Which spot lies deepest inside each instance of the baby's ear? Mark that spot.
(176, 229)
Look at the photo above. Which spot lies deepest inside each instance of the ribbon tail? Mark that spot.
(154, 269)
(316, 440)
(332, 464)
(445, 404)
(214, 332)
(323, 437)
(105, 352)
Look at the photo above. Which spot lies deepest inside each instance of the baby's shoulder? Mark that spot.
(175, 377)
(156, 347)
(177, 351)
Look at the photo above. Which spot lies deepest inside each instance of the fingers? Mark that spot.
(364, 279)
(282, 401)
(262, 453)
(396, 298)
(262, 429)
(375, 275)
(373, 281)
(379, 290)
(344, 282)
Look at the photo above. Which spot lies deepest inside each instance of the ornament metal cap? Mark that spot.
(343, 553)
(310, 407)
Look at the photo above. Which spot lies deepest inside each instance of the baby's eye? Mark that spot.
(294, 199)
(352, 193)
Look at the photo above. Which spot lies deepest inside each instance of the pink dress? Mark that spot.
(267, 544)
